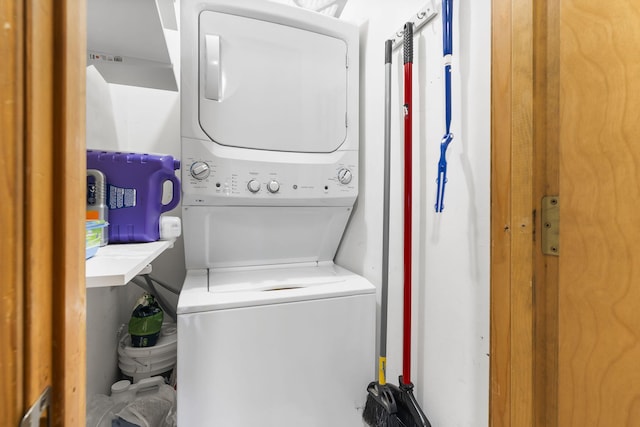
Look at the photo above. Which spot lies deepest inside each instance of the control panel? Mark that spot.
(215, 180)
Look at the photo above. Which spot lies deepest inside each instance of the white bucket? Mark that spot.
(144, 362)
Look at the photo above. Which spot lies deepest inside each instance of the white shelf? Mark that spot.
(117, 264)
(126, 41)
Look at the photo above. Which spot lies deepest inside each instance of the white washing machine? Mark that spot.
(270, 331)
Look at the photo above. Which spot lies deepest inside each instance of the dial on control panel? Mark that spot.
(253, 186)
(200, 170)
(344, 176)
(273, 186)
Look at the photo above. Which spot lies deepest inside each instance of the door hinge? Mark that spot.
(551, 225)
(33, 415)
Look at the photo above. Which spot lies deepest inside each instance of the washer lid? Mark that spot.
(236, 288)
(269, 86)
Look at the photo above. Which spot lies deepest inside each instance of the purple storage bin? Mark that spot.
(134, 192)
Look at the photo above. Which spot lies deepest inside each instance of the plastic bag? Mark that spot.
(101, 410)
(153, 410)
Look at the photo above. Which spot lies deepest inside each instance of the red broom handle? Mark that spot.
(406, 348)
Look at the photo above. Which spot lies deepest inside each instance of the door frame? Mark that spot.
(42, 185)
(511, 315)
(69, 166)
(524, 158)
(11, 212)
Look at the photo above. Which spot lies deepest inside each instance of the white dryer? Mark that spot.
(270, 331)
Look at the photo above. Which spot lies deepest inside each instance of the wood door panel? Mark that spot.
(599, 293)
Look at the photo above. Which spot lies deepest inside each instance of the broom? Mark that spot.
(380, 409)
(409, 412)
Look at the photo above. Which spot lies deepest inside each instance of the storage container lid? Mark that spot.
(167, 343)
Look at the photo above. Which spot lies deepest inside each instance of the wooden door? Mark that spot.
(599, 275)
(566, 112)
(42, 336)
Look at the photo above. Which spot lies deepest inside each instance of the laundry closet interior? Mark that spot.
(273, 117)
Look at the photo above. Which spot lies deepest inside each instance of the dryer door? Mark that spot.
(269, 86)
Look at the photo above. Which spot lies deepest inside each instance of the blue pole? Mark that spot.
(447, 51)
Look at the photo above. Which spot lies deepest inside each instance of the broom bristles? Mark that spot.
(376, 415)
(379, 411)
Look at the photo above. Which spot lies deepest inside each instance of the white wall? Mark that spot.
(142, 120)
(451, 249)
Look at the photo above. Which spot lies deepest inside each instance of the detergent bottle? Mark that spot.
(134, 192)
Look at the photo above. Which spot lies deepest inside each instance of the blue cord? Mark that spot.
(447, 50)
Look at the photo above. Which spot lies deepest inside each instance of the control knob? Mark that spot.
(344, 176)
(273, 186)
(253, 186)
(200, 170)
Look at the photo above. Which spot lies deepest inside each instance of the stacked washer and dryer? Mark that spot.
(270, 331)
